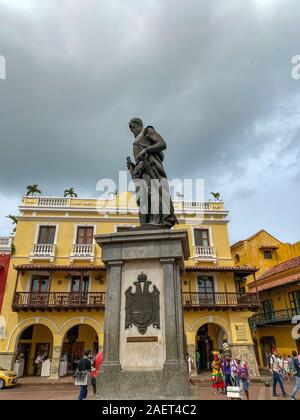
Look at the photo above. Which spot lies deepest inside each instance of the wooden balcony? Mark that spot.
(221, 301)
(31, 301)
(275, 317)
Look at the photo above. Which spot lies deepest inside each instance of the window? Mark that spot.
(46, 235)
(39, 290)
(202, 237)
(85, 236)
(80, 284)
(39, 284)
(268, 310)
(237, 258)
(206, 284)
(267, 255)
(206, 289)
(295, 302)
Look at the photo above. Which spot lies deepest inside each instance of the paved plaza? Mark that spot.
(31, 389)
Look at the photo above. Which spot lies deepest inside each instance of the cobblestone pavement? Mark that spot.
(66, 391)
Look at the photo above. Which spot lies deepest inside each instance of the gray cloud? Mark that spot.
(211, 76)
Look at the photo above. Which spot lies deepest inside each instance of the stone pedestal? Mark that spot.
(137, 364)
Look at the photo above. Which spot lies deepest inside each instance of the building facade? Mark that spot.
(54, 303)
(278, 284)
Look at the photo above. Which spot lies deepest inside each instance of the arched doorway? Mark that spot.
(209, 337)
(77, 340)
(35, 340)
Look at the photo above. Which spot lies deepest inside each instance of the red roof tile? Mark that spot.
(276, 283)
(280, 268)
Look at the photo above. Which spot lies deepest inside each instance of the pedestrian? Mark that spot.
(296, 369)
(269, 358)
(227, 371)
(241, 375)
(216, 375)
(191, 367)
(277, 372)
(84, 367)
(76, 360)
(96, 365)
(37, 364)
(198, 361)
(286, 368)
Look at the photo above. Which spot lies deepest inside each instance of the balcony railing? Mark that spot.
(43, 250)
(285, 315)
(111, 204)
(53, 202)
(206, 252)
(83, 250)
(217, 301)
(58, 301)
(198, 206)
(5, 244)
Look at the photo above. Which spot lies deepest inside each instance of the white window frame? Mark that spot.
(210, 234)
(83, 225)
(37, 231)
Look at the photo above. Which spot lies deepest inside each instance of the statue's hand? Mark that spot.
(142, 154)
(130, 166)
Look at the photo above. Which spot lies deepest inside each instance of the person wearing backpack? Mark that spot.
(296, 372)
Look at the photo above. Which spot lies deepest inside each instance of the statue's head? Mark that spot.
(136, 126)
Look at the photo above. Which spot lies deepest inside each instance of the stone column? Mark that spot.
(56, 356)
(110, 368)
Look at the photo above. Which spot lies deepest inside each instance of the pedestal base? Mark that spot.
(170, 383)
(148, 362)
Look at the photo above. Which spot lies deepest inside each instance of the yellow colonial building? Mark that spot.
(278, 284)
(54, 303)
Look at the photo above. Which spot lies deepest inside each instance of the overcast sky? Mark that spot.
(212, 76)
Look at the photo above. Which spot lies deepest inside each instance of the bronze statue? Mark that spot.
(148, 173)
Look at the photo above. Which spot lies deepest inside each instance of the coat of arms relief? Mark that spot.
(142, 308)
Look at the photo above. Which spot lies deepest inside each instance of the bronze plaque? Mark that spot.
(142, 339)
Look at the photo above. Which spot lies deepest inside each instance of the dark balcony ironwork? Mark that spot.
(221, 301)
(275, 317)
(60, 301)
